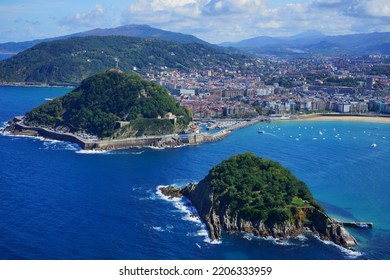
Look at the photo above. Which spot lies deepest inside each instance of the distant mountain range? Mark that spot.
(142, 31)
(309, 42)
(314, 42)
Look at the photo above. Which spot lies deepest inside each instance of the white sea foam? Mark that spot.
(283, 242)
(15, 137)
(203, 233)
(48, 144)
(156, 148)
(152, 196)
(183, 205)
(138, 153)
(59, 145)
(4, 133)
(302, 238)
(248, 236)
(158, 229)
(169, 228)
(166, 147)
(89, 152)
(160, 195)
(348, 252)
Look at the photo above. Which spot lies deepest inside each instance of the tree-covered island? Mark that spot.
(254, 195)
(110, 106)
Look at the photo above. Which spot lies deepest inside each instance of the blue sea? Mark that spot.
(57, 202)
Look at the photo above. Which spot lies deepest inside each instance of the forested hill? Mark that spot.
(258, 196)
(258, 189)
(101, 101)
(72, 60)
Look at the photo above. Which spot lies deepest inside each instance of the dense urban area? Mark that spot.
(343, 84)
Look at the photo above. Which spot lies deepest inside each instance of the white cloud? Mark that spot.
(270, 24)
(92, 18)
(356, 8)
(219, 7)
(211, 20)
(168, 7)
(377, 8)
(231, 20)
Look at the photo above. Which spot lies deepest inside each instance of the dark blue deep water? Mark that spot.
(58, 203)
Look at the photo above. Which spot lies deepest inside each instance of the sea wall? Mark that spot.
(198, 138)
(83, 143)
(125, 143)
(53, 135)
(16, 126)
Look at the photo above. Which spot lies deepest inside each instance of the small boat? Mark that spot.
(373, 145)
(362, 225)
(261, 131)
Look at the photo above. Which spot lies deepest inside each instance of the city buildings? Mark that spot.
(285, 86)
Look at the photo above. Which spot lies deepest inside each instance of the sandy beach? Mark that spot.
(352, 118)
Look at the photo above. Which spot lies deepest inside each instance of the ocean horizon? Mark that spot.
(60, 202)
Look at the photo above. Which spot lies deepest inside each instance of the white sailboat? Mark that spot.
(373, 145)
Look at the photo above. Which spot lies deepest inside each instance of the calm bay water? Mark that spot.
(59, 203)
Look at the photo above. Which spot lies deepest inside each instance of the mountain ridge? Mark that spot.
(69, 61)
(314, 42)
(131, 30)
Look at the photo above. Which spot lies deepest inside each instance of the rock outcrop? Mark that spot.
(219, 220)
(168, 141)
(218, 208)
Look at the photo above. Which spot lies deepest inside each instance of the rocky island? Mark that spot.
(254, 195)
(109, 110)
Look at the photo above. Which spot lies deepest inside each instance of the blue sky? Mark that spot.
(212, 20)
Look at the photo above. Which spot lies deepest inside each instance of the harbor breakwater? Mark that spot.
(17, 127)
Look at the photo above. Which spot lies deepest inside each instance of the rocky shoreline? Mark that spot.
(217, 221)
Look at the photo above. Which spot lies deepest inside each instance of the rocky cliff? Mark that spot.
(217, 220)
(221, 215)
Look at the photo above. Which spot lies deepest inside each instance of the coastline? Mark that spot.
(333, 231)
(342, 117)
(16, 126)
(37, 85)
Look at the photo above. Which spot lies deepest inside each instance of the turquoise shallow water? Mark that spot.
(59, 203)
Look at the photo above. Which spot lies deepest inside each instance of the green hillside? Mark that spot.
(257, 189)
(72, 60)
(102, 100)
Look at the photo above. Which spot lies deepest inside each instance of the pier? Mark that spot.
(354, 224)
(358, 224)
